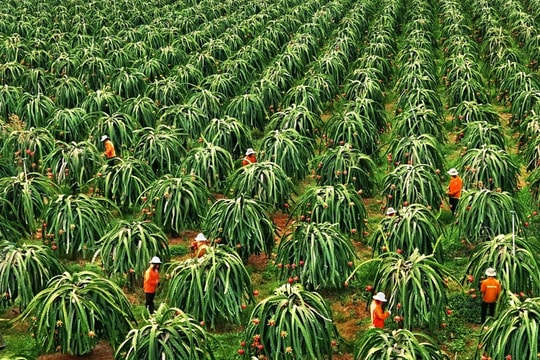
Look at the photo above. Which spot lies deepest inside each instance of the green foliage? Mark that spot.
(317, 255)
(516, 260)
(338, 204)
(489, 167)
(249, 109)
(415, 227)
(288, 149)
(416, 286)
(162, 147)
(119, 127)
(419, 120)
(306, 122)
(352, 128)
(348, 166)
(241, 223)
(533, 181)
(291, 321)
(478, 133)
(515, 332)
(30, 146)
(73, 164)
(25, 271)
(128, 247)
(26, 198)
(413, 184)
(190, 119)
(70, 124)
(75, 310)
(263, 181)
(229, 134)
(398, 344)
(168, 332)
(211, 163)
(413, 150)
(482, 214)
(176, 203)
(124, 182)
(211, 288)
(73, 224)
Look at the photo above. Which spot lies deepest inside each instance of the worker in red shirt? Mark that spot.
(378, 315)
(490, 289)
(250, 157)
(454, 189)
(151, 282)
(110, 153)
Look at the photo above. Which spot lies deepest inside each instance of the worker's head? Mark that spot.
(453, 172)
(391, 211)
(491, 272)
(250, 151)
(155, 262)
(201, 237)
(380, 297)
(104, 137)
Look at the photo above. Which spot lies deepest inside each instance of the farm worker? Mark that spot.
(151, 282)
(391, 212)
(199, 245)
(378, 315)
(110, 153)
(454, 189)
(490, 289)
(249, 158)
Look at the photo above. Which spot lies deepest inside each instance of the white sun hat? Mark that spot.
(380, 296)
(390, 211)
(200, 237)
(155, 260)
(104, 137)
(491, 272)
(452, 172)
(250, 151)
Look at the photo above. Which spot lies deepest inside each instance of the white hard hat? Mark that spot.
(250, 151)
(390, 211)
(491, 272)
(452, 172)
(155, 260)
(200, 237)
(380, 296)
(104, 137)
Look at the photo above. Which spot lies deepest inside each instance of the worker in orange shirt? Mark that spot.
(454, 189)
(378, 315)
(490, 289)
(250, 157)
(151, 282)
(199, 245)
(110, 153)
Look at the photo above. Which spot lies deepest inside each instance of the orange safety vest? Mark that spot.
(454, 187)
(249, 159)
(490, 288)
(151, 280)
(378, 315)
(109, 149)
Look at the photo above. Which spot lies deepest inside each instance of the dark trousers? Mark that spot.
(487, 308)
(150, 302)
(453, 204)
(111, 161)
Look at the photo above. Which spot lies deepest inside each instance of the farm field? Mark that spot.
(352, 108)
